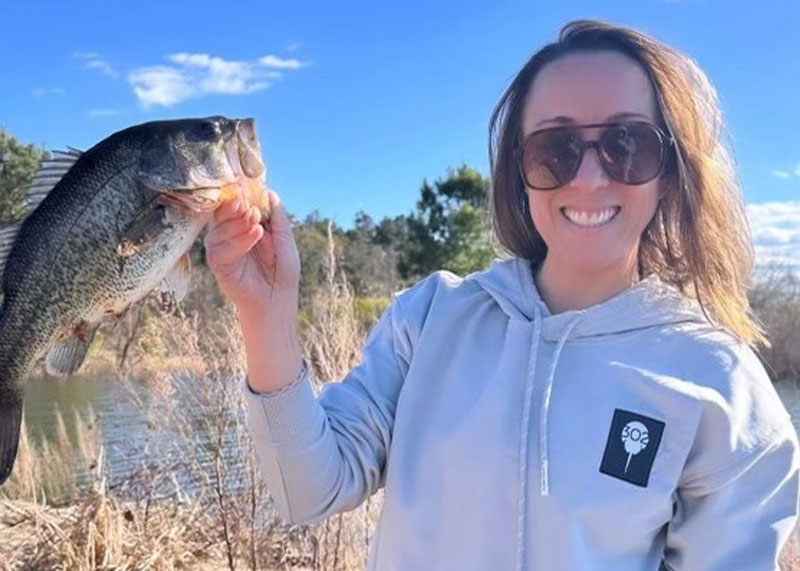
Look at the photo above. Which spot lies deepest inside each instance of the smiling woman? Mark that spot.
(708, 256)
(593, 402)
(593, 224)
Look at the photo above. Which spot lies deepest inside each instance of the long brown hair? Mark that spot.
(698, 239)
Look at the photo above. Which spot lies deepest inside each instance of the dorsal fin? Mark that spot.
(48, 174)
(7, 236)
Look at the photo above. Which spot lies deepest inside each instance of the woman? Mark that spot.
(591, 402)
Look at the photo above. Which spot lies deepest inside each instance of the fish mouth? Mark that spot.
(202, 199)
(204, 181)
(244, 150)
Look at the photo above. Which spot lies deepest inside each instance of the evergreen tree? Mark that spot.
(18, 164)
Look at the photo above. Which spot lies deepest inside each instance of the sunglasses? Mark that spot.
(630, 152)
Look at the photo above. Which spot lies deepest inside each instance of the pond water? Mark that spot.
(132, 441)
(170, 433)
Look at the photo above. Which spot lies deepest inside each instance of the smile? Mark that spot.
(589, 219)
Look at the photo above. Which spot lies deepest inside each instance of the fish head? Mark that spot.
(190, 161)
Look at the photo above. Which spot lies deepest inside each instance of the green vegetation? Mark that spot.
(18, 164)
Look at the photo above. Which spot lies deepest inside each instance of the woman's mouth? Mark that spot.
(588, 219)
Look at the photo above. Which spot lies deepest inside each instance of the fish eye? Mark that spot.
(204, 131)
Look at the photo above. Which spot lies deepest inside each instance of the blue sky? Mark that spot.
(357, 102)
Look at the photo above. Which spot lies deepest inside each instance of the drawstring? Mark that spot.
(526, 418)
(543, 445)
(523, 440)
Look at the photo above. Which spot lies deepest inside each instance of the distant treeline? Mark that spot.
(448, 228)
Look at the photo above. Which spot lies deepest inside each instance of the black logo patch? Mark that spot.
(631, 447)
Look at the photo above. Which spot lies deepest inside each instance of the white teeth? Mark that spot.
(582, 218)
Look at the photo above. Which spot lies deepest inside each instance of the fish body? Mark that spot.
(117, 225)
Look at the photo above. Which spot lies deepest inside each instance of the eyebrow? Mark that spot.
(564, 120)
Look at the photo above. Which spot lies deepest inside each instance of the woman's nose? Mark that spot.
(590, 173)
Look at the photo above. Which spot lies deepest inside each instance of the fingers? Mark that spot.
(237, 221)
(227, 210)
(226, 252)
(231, 208)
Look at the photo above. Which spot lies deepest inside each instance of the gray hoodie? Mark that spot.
(625, 436)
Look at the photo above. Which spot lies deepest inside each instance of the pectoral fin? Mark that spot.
(65, 357)
(176, 281)
(10, 422)
(144, 228)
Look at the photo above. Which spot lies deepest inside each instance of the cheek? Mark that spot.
(541, 212)
(642, 206)
(649, 199)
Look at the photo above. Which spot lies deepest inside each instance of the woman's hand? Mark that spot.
(259, 271)
(254, 267)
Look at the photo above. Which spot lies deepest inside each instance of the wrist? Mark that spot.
(272, 345)
(277, 304)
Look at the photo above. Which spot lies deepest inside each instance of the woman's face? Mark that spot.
(581, 89)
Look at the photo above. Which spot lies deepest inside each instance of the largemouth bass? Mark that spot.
(108, 226)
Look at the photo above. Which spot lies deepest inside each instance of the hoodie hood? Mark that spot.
(648, 303)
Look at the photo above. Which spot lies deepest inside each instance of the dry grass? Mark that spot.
(196, 501)
(332, 343)
(775, 299)
(47, 473)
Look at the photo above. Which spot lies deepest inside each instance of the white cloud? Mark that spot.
(275, 62)
(85, 55)
(93, 60)
(787, 173)
(775, 227)
(102, 66)
(43, 91)
(102, 112)
(194, 75)
(161, 85)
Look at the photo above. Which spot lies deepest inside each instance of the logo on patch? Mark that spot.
(631, 447)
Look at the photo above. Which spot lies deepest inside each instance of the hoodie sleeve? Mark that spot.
(322, 455)
(737, 501)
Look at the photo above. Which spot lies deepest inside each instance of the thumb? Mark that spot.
(278, 239)
(278, 220)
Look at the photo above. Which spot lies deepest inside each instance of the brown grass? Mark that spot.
(219, 515)
(47, 473)
(775, 299)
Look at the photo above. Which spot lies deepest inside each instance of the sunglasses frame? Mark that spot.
(665, 141)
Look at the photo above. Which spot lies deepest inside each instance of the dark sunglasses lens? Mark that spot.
(550, 157)
(631, 154)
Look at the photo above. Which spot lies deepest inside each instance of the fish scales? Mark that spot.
(117, 223)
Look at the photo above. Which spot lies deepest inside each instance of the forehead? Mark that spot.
(588, 87)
